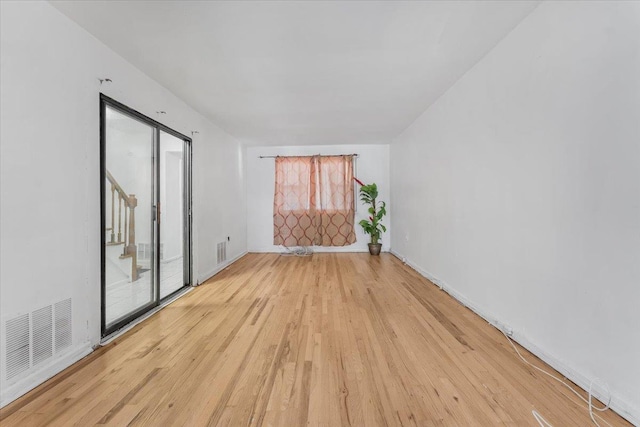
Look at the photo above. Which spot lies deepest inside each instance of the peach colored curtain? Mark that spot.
(294, 203)
(335, 213)
(313, 201)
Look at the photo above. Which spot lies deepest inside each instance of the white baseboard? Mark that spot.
(56, 366)
(47, 371)
(209, 274)
(317, 249)
(620, 405)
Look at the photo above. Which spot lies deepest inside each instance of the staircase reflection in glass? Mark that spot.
(129, 201)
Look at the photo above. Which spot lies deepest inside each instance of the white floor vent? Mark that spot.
(34, 338)
(222, 252)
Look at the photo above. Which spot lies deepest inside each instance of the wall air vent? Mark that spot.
(63, 325)
(222, 252)
(33, 338)
(18, 349)
(42, 334)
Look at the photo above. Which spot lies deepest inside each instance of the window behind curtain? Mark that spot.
(295, 175)
(314, 201)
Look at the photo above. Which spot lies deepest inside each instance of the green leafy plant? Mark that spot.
(372, 226)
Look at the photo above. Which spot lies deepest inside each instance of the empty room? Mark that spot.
(320, 213)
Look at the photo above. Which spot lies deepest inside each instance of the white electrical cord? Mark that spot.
(591, 407)
(540, 419)
(589, 402)
(298, 251)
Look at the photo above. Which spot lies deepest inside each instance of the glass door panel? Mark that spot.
(128, 209)
(146, 216)
(172, 214)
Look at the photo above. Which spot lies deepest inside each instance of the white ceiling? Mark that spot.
(293, 73)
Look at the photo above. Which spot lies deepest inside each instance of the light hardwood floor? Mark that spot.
(328, 340)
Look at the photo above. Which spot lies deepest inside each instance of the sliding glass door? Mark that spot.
(172, 208)
(146, 214)
(129, 201)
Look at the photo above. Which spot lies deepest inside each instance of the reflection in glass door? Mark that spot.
(129, 201)
(145, 214)
(172, 212)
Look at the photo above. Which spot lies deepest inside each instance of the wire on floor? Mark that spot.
(589, 401)
(297, 251)
(540, 419)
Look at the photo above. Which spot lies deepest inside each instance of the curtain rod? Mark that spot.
(325, 155)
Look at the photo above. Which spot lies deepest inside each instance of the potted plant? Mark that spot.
(372, 226)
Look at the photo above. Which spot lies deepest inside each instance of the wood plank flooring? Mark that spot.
(327, 340)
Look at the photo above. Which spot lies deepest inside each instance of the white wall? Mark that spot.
(50, 211)
(519, 190)
(222, 185)
(372, 166)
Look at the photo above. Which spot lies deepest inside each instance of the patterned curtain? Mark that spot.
(313, 202)
(294, 203)
(335, 195)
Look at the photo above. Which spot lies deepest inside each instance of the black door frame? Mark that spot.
(187, 234)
